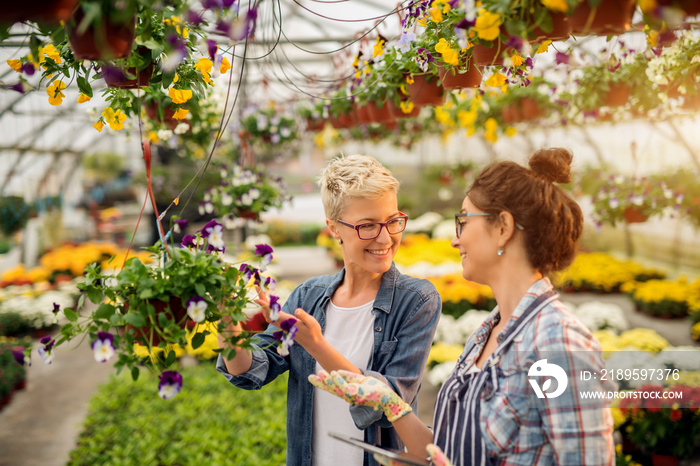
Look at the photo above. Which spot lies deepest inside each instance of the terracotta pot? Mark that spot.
(632, 214)
(424, 92)
(609, 18)
(109, 41)
(461, 79)
(381, 114)
(490, 56)
(664, 460)
(617, 96)
(691, 7)
(511, 114)
(43, 11)
(165, 117)
(249, 214)
(177, 312)
(561, 29)
(531, 110)
(362, 114)
(398, 113)
(117, 78)
(342, 121)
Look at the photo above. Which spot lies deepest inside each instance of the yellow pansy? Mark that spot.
(435, 15)
(556, 5)
(51, 52)
(511, 131)
(358, 73)
(488, 25)
(407, 106)
(496, 80)
(15, 65)
(449, 55)
(99, 125)
(356, 61)
(176, 78)
(115, 120)
(423, 21)
(490, 130)
(204, 65)
(225, 65)
(653, 38)
(82, 98)
(466, 118)
(55, 93)
(179, 96)
(442, 116)
(378, 47)
(409, 79)
(153, 137)
(517, 59)
(544, 46)
(180, 114)
(176, 21)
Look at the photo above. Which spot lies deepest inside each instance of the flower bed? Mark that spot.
(28, 309)
(664, 298)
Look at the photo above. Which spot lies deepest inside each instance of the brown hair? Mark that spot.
(552, 221)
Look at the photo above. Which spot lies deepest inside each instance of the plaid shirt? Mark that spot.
(518, 427)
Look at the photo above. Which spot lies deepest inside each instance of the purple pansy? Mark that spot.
(179, 225)
(46, 351)
(275, 307)
(404, 42)
(21, 356)
(268, 284)
(561, 58)
(170, 384)
(249, 273)
(28, 69)
(103, 346)
(285, 336)
(197, 308)
(465, 24)
(211, 49)
(265, 253)
(188, 241)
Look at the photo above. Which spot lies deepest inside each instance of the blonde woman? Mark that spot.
(368, 319)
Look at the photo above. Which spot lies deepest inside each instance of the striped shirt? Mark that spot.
(516, 426)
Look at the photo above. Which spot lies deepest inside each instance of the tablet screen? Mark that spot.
(404, 458)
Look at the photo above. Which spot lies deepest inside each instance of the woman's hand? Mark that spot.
(358, 389)
(436, 456)
(309, 333)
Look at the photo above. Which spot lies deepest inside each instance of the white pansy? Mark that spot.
(181, 128)
(254, 193)
(226, 199)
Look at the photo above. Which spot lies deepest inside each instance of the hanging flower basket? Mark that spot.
(561, 29)
(162, 114)
(362, 114)
(341, 121)
(398, 113)
(314, 124)
(49, 11)
(634, 215)
(617, 96)
(146, 334)
(107, 42)
(611, 17)
(467, 75)
(490, 56)
(114, 77)
(424, 92)
(381, 114)
(525, 109)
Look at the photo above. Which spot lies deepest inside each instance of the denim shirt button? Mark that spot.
(378, 328)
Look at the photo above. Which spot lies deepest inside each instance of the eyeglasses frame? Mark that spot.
(381, 224)
(459, 225)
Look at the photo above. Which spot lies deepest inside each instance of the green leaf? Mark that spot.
(137, 320)
(147, 293)
(104, 311)
(95, 295)
(135, 373)
(197, 340)
(199, 288)
(84, 86)
(70, 315)
(170, 359)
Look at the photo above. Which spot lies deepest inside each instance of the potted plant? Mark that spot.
(633, 199)
(676, 71)
(188, 285)
(242, 194)
(267, 126)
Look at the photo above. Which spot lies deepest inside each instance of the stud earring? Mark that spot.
(340, 241)
(500, 252)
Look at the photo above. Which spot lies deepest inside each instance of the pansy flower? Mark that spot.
(170, 384)
(249, 273)
(103, 346)
(197, 308)
(179, 225)
(55, 92)
(285, 336)
(268, 284)
(188, 241)
(21, 356)
(404, 42)
(265, 253)
(46, 351)
(275, 307)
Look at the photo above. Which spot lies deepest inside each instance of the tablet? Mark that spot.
(394, 455)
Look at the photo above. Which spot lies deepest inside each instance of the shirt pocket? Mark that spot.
(386, 352)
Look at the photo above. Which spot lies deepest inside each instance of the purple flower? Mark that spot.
(423, 58)
(250, 273)
(197, 308)
(209, 228)
(56, 308)
(46, 351)
(179, 225)
(212, 4)
(265, 253)
(28, 69)
(453, 3)
(195, 18)
(212, 48)
(188, 241)
(18, 87)
(275, 307)
(170, 384)
(103, 346)
(404, 42)
(228, 3)
(21, 357)
(466, 24)
(268, 284)
(515, 42)
(285, 336)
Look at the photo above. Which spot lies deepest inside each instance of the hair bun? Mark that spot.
(553, 164)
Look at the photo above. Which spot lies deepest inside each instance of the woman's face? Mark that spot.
(477, 245)
(374, 255)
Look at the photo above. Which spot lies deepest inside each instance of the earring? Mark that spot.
(340, 241)
(500, 252)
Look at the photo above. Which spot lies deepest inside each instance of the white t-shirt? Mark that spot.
(350, 331)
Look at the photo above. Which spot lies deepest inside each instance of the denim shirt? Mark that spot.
(519, 428)
(406, 311)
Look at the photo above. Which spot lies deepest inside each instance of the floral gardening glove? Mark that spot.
(436, 456)
(358, 389)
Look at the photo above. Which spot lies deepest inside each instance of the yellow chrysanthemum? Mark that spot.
(225, 65)
(15, 65)
(556, 5)
(488, 25)
(441, 352)
(449, 55)
(544, 46)
(204, 66)
(496, 80)
(98, 125)
(55, 93)
(179, 96)
(82, 98)
(181, 114)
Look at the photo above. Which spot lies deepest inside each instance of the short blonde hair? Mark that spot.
(354, 176)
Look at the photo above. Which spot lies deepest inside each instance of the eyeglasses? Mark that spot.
(460, 225)
(372, 230)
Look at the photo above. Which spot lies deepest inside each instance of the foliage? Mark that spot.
(269, 126)
(211, 422)
(11, 373)
(286, 233)
(677, 68)
(14, 214)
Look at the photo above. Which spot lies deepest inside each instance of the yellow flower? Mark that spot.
(204, 65)
(378, 47)
(55, 93)
(496, 80)
(82, 98)
(435, 15)
(488, 25)
(653, 38)
(466, 118)
(517, 59)
(51, 52)
(449, 55)
(647, 5)
(442, 116)
(179, 96)
(225, 65)
(441, 352)
(15, 65)
(409, 79)
(115, 120)
(407, 106)
(544, 46)
(511, 131)
(180, 114)
(99, 125)
(176, 78)
(490, 133)
(153, 137)
(556, 5)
